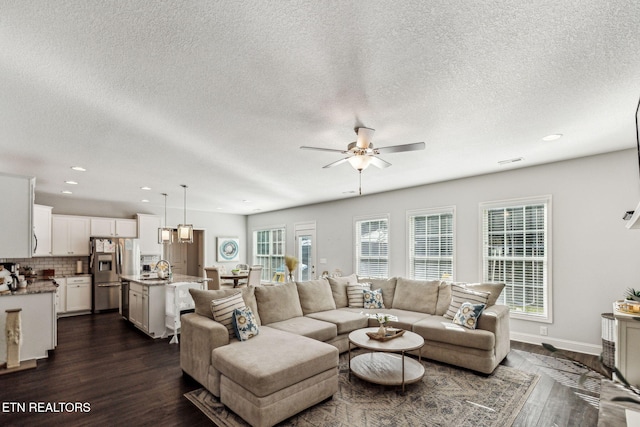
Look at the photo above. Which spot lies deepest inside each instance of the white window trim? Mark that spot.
(373, 217)
(545, 199)
(431, 211)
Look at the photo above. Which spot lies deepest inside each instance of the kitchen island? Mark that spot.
(38, 319)
(144, 301)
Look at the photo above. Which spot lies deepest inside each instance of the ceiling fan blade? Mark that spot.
(332, 150)
(336, 163)
(416, 146)
(379, 163)
(364, 138)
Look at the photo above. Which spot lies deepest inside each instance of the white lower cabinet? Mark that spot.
(61, 295)
(78, 294)
(146, 308)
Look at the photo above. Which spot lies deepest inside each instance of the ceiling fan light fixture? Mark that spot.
(359, 162)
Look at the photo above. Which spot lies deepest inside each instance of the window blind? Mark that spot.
(431, 245)
(372, 247)
(515, 251)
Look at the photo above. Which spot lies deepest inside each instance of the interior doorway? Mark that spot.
(187, 258)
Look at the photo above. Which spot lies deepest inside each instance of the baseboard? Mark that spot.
(576, 346)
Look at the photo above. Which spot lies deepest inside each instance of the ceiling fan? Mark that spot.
(361, 153)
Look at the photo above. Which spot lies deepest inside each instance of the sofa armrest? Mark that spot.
(199, 335)
(496, 319)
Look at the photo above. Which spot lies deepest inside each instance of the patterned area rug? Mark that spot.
(582, 381)
(446, 396)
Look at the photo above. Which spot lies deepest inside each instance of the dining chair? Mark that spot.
(255, 274)
(213, 273)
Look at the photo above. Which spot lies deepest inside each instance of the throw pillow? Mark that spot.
(223, 310)
(339, 289)
(460, 294)
(373, 298)
(495, 289)
(468, 315)
(355, 294)
(244, 324)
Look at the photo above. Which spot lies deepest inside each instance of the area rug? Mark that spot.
(446, 396)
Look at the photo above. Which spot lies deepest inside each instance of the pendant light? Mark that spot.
(185, 231)
(165, 234)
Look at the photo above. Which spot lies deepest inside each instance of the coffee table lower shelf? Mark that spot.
(387, 368)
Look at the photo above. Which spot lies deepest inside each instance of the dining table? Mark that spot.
(235, 277)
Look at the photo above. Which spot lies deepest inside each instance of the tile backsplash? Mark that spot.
(63, 265)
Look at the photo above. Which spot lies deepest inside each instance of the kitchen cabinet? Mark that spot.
(69, 235)
(16, 233)
(114, 227)
(42, 230)
(78, 294)
(146, 308)
(148, 234)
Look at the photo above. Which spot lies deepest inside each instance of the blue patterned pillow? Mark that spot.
(468, 314)
(244, 323)
(373, 298)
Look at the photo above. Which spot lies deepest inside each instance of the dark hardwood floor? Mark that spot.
(124, 377)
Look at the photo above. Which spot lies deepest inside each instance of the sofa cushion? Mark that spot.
(416, 295)
(468, 315)
(494, 289)
(460, 294)
(307, 327)
(315, 295)
(440, 329)
(388, 287)
(202, 300)
(373, 298)
(346, 321)
(273, 360)
(223, 308)
(444, 298)
(406, 318)
(244, 323)
(355, 294)
(339, 289)
(278, 302)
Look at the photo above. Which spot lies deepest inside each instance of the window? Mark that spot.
(516, 238)
(431, 244)
(372, 247)
(268, 251)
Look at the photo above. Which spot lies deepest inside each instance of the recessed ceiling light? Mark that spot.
(144, 201)
(71, 182)
(508, 161)
(552, 137)
(246, 201)
(78, 168)
(145, 188)
(257, 210)
(66, 192)
(349, 192)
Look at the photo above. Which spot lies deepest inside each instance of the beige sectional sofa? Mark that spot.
(292, 363)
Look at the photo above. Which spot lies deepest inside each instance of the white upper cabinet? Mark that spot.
(148, 234)
(113, 227)
(69, 235)
(16, 233)
(42, 230)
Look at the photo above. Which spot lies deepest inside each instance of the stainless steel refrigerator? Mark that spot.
(110, 258)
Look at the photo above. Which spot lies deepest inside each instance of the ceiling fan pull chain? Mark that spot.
(360, 182)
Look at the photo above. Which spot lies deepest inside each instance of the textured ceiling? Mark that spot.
(220, 95)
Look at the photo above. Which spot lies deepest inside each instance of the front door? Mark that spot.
(305, 239)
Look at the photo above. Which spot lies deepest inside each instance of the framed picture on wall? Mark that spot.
(228, 249)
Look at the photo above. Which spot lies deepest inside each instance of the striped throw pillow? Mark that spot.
(223, 310)
(460, 294)
(355, 294)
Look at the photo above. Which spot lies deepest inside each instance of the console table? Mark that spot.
(178, 299)
(627, 354)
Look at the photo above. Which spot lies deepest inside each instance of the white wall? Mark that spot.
(214, 224)
(594, 257)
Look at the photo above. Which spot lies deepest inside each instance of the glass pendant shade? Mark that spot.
(165, 234)
(185, 231)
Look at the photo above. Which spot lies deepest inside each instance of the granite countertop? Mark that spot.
(161, 282)
(34, 286)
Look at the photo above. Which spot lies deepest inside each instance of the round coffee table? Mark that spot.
(383, 365)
